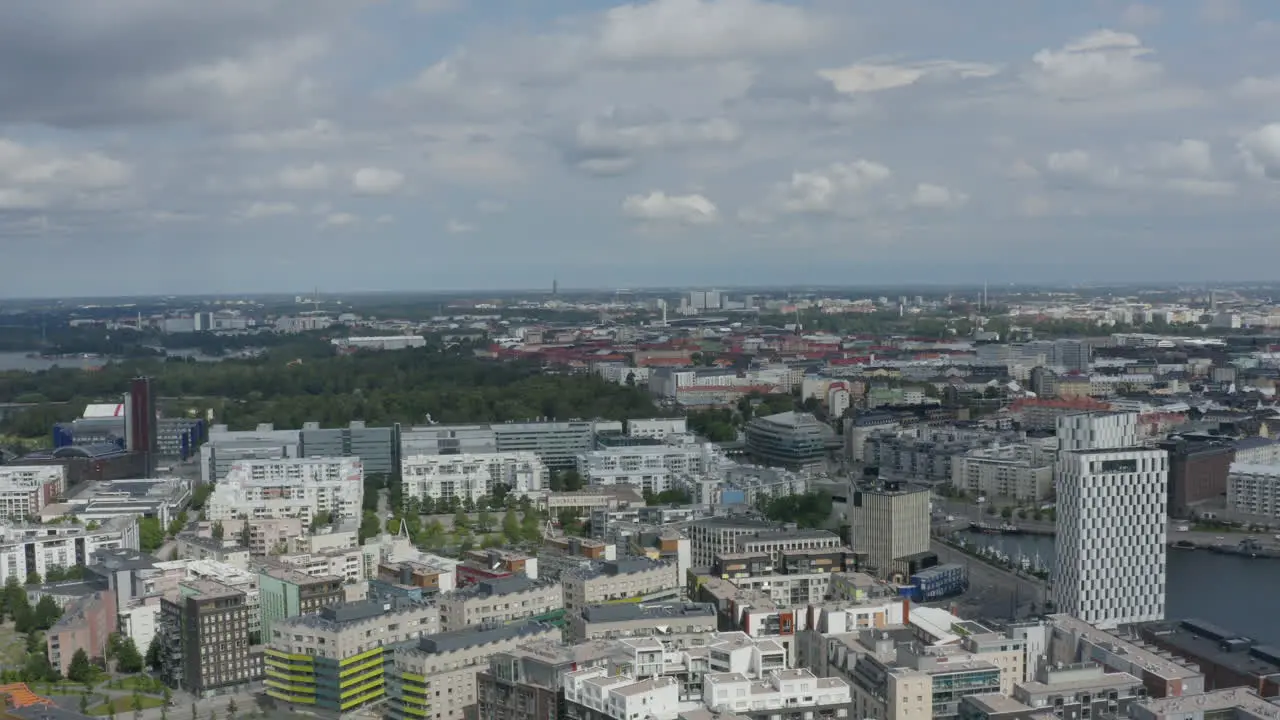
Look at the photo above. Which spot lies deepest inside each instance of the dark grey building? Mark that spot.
(204, 639)
(789, 439)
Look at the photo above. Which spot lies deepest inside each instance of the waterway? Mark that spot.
(20, 361)
(1232, 592)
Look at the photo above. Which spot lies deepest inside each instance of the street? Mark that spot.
(993, 591)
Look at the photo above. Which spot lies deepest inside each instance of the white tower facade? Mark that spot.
(1112, 504)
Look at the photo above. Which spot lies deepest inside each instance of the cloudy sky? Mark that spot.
(249, 145)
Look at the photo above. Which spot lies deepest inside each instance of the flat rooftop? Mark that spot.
(1150, 660)
(1203, 640)
(627, 612)
(995, 703)
(1244, 700)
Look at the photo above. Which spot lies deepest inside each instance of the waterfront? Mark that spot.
(1228, 591)
(20, 361)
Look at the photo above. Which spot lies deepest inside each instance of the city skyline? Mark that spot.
(446, 145)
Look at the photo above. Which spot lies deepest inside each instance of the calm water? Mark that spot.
(20, 361)
(1234, 593)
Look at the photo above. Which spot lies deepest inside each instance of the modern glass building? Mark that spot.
(789, 439)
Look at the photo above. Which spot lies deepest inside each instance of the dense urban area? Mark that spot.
(899, 504)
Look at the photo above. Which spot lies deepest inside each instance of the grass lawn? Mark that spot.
(62, 687)
(13, 647)
(124, 705)
(141, 683)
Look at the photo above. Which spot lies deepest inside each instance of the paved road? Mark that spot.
(994, 591)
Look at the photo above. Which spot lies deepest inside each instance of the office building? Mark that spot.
(204, 639)
(377, 448)
(436, 679)
(715, 536)
(1226, 658)
(444, 478)
(335, 660)
(632, 580)
(25, 490)
(286, 593)
(889, 522)
(448, 440)
(558, 443)
(789, 439)
(1112, 513)
(501, 600)
(268, 489)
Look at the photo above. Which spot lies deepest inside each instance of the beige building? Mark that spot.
(1012, 471)
(616, 581)
(499, 600)
(890, 523)
(227, 550)
(436, 679)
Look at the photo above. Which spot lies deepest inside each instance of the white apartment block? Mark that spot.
(1095, 430)
(347, 563)
(26, 489)
(792, 691)
(25, 549)
(657, 428)
(1254, 489)
(1015, 471)
(445, 477)
(295, 487)
(654, 468)
(1111, 533)
(628, 580)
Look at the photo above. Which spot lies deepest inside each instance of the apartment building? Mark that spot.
(286, 593)
(86, 624)
(1021, 472)
(335, 660)
(651, 468)
(629, 580)
(227, 551)
(267, 536)
(294, 487)
(1254, 489)
(710, 537)
(471, 477)
(25, 549)
(670, 621)
(1080, 690)
(346, 563)
(798, 578)
(524, 683)
(436, 679)
(1072, 640)
(204, 639)
(25, 490)
(500, 600)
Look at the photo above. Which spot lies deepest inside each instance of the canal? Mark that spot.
(1231, 592)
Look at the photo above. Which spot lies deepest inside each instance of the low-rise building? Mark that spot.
(227, 550)
(629, 580)
(444, 478)
(665, 620)
(86, 624)
(501, 600)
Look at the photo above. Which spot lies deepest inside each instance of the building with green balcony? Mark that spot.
(335, 661)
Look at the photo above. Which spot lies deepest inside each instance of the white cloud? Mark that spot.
(1220, 11)
(706, 29)
(1189, 157)
(1257, 89)
(1261, 151)
(1141, 15)
(339, 220)
(866, 77)
(38, 177)
(310, 177)
(606, 134)
(657, 206)
(269, 209)
(606, 166)
(836, 188)
(318, 135)
(1183, 168)
(377, 181)
(1100, 64)
(21, 199)
(458, 227)
(938, 197)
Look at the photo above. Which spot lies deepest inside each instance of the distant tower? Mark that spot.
(140, 421)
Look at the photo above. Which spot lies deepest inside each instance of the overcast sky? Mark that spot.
(250, 145)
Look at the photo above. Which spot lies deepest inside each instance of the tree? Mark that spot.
(128, 659)
(54, 573)
(153, 653)
(80, 669)
(84, 703)
(47, 612)
(177, 524)
(484, 523)
(136, 702)
(570, 480)
(36, 668)
(511, 526)
(369, 525)
(466, 542)
(231, 709)
(531, 527)
(461, 520)
(500, 492)
(33, 578)
(150, 534)
(217, 531)
(1006, 512)
(321, 519)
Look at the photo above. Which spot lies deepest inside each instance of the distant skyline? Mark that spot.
(248, 146)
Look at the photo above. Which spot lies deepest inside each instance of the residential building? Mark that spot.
(500, 600)
(630, 580)
(1021, 472)
(796, 578)
(714, 536)
(889, 521)
(1254, 490)
(1079, 691)
(1112, 517)
(204, 635)
(286, 593)
(436, 679)
(789, 439)
(26, 549)
(227, 551)
(524, 683)
(1072, 640)
(302, 488)
(665, 620)
(798, 691)
(1239, 703)
(335, 660)
(651, 468)
(25, 490)
(471, 477)
(86, 624)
